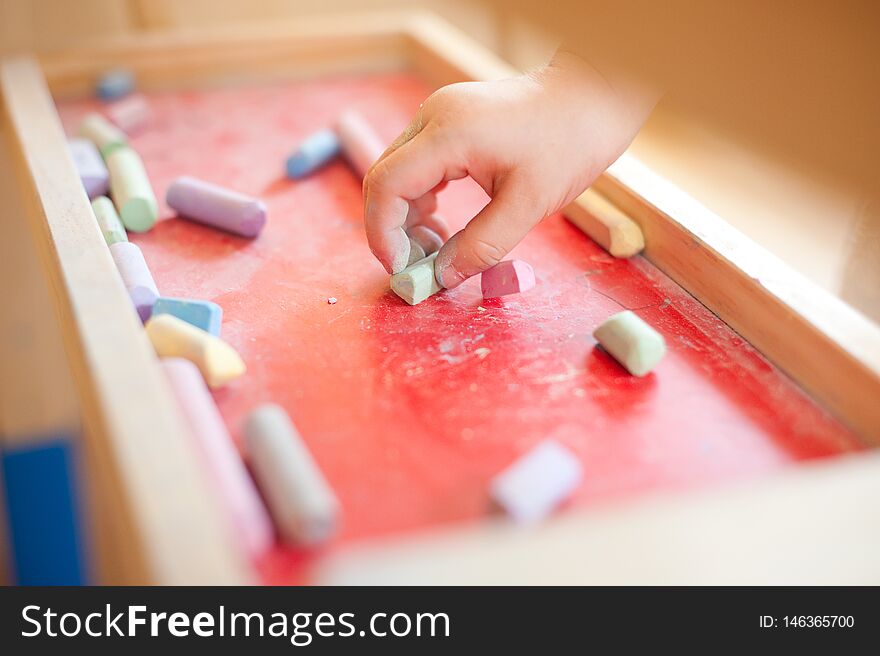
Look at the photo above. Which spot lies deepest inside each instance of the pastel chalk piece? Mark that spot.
(427, 239)
(115, 84)
(248, 518)
(216, 206)
(416, 282)
(90, 166)
(533, 486)
(129, 114)
(175, 338)
(304, 507)
(201, 314)
(314, 152)
(416, 252)
(108, 220)
(632, 342)
(136, 277)
(131, 189)
(359, 142)
(507, 277)
(106, 136)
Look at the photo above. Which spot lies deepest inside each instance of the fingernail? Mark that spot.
(444, 270)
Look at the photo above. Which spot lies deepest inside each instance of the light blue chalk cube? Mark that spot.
(115, 84)
(201, 314)
(313, 153)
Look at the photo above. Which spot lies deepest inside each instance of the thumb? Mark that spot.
(489, 236)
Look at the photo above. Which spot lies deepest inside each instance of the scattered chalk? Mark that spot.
(90, 166)
(129, 114)
(249, 519)
(175, 338)
(131, 189)
(416, 252)
(136, 276)
(359, 142)
(313, 153)
(530, 488)
(632, 342)
(106, 136)
(115, 84)
(507, 277)
(332, 300)
(108, 220)
(201, 314)
(301, 502)
(416, 282)
(427, 239)
(216, 206)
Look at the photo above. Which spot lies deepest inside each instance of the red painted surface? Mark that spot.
(411, 410)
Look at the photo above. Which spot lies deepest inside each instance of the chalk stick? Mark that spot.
(136, 276)
(248, 516)
(216, 206)
(507, 277)
(359, 142)
(131, 189)
(530, 488)
(416, 282)
(429, 240)
(90, 166)
(302, 504)
(129, 114)
(108, 220)
(115, 84)
(201, 314)
(416, 252)
(175, 338)
(313, 153)
(632, 342)
(106, 136)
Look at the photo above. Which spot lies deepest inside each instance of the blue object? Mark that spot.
(313, 153)
(43, 513)
(115, 84)
(201, 314)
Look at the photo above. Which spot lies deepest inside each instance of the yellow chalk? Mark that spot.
(175, 338)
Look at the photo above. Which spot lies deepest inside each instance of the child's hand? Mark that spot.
(533, 143)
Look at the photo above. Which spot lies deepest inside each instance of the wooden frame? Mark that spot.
(156, 508)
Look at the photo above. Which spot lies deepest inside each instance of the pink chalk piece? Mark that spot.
(507, 277)
(129, 114)
(248, 518)
(360, 143)
(216, 206)
(136, 276)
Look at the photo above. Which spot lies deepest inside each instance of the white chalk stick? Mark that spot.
(106, 136)
(136, 277)
(131, 189)
(359, 142)
(416, 282)
(539, 481)
(304, 507)
(631, 342)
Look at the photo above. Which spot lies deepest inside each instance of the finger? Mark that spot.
(429, 240)
(488, 237)
(435, 223)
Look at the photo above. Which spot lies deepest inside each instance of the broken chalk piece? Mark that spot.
(201, 314)
(359, 142)
(427, 239)
(416, 282)
(216, 206)
(507, 277)
(315, 151)
(304, 507)
(332, 300)
(530, 488)
(90, 166)
(175, 338)
(249, 519)
(136, 276)
(131, 189)
(115, 84)
(108, 220)
(416, 252)
(106, 136)
(129, 114)
(632, 342)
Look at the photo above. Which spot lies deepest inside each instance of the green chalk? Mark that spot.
(416, 282)
(131, 190)
(631, 342)
(108, 220)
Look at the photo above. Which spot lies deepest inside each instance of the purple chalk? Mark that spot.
(215, 206)
(90, 167)
(136, 276)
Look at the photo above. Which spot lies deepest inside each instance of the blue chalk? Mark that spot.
(42, 510)
(115, 84)
(201, 314)
(314, 152)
